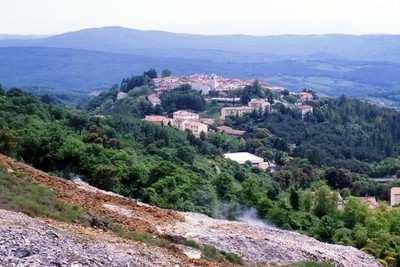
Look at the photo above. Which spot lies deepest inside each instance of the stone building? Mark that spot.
(235, 111)
(394, 196)
(195, 127)
(156, 119)
(305, 96)
(259, 104)
(304, 109)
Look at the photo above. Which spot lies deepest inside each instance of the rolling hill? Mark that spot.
(132, 41)
(76, 69)
(94, 58)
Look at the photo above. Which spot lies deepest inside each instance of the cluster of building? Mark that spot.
(206, 83)
(185, 120)
(182, 120)
(301, 107)
(264, 106)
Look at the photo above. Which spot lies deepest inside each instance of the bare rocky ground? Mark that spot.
(23, 239)
(264, 244)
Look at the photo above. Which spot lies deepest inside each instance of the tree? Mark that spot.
(224, 185)
(343, 236)
(327, 227)
(8, 142)
(47, 99)
(360, 235)
(166, 73)
(294, 198)
(307, 200)
(186, 154)
(325, 201)
(338, 178)
(151, 73)
(252, 91)
(279, 217)
(182, 97)
(136, 81)
(354, 212)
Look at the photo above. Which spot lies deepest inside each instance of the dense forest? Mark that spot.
(334, 152)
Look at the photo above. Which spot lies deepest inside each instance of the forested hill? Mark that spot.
(362, 66)
(317, 158)
(65, 70)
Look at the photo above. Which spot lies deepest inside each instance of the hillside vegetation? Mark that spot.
(172, 169)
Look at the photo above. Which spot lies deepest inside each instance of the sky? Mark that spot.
(255, 17)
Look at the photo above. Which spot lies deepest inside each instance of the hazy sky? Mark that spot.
(258, 17)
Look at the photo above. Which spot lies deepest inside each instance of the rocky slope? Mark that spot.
(264, 244)
(23, 239)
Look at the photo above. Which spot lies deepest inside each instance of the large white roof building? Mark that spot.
(243, 157)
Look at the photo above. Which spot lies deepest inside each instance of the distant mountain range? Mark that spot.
(124, 40)
(99, 57)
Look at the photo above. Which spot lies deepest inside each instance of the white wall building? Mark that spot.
(255, 161)
(259, 104)
(195, 127)
(185, 115)
(235, 111)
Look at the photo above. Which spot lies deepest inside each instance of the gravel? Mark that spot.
(26, 241)
(264, 244)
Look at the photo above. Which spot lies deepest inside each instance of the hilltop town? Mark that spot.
(219, 89)
(222, 90)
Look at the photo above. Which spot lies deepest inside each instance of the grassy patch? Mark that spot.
(212, 253)
(140, 236)
(191, 243)
(22, 194)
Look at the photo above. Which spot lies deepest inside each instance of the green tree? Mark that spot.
(151, 73)
(252, 91)
(165, 73)
(225, 187)
(327, 228)
(343, 236)
(307, 200)
(186, 154)
(354, 212)
(294, 198)
(182, 97)
(360, 235)
(325, 201)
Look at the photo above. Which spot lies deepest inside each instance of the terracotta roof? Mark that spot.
(155, 118)
(230, 131)
(370, 201)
